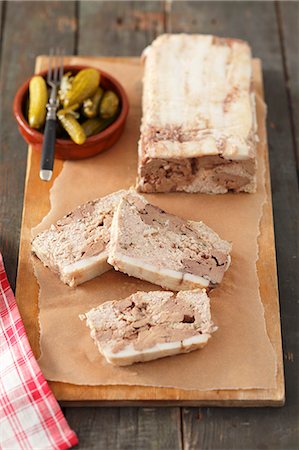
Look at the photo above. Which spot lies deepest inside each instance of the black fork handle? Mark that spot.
(48, 150)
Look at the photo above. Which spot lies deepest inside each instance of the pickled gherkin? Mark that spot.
(91, 105)
(95, 125)
(83, 86)
(72, 126)
(38, 98)
(109, 105)
(84, 107)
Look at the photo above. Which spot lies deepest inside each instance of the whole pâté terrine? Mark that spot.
(198, 131)
(177, 254)
(150, 325)
(75, 247)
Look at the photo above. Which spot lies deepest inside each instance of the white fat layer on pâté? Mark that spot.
(158, 266)
(75, 247)
(150, 325)
(85, 269)
(188, 81)
(167, 278)
(130, 356)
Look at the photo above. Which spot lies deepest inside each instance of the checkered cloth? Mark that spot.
(30, 417)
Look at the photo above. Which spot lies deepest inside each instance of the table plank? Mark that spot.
(2, 15)
(118, 28)
(30, 29)
(288, 13)
(122, 29)
(238, 429)
(11, 202)
(126, 428)
(256, 22)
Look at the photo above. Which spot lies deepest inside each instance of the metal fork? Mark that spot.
(55, 73)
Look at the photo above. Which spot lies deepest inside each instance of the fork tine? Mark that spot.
(61, 65)
(49, 76)
(55, 74)
(55, 71)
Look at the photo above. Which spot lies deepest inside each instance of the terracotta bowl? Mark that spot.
(66, 148)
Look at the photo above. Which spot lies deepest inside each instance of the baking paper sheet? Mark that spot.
(239, 355)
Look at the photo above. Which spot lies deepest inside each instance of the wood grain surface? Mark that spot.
(27, 299)
(21, 41)
(288, 20)
(258, 22)
(111, 28)
(1, 19)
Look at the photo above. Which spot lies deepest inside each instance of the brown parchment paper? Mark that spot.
(239, 355)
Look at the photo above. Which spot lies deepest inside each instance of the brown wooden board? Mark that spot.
(36, 206)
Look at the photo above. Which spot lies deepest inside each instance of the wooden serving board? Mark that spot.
(36, 206)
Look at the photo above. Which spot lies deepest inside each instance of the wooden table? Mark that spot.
(28, 29)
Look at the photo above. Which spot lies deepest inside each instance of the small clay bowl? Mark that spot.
(66, 148)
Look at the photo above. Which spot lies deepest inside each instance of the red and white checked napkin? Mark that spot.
(30, 417)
